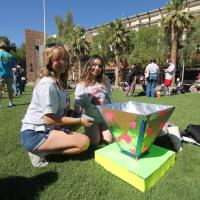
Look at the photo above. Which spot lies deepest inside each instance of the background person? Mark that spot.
(14, 81)
(196, 86)
(19, 75)
(18, 72)
(152, 71)
(91, 91)
(7, 62)
(142, 79)
(169, 73)
(131, 80)
(178, 86)
(45, 125)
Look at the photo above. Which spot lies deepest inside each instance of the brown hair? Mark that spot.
(86, 76)
(46, 69)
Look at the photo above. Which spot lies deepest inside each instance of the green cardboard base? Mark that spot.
(142, 173)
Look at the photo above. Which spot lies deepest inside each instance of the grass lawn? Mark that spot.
(79, 177)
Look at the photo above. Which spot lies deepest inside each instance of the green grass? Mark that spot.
(79, 177)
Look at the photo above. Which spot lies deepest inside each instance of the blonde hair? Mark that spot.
(49, 54)
(86, 75)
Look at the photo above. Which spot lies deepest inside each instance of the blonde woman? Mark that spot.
(91, 91)
(44, 127)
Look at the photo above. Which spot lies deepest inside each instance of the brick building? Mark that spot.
(34, 47)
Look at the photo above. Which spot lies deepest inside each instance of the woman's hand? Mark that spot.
(97, 100)
(86, 122)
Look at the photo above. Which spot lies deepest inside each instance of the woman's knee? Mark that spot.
(85, 143)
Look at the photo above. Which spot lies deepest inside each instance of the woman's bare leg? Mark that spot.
(65, 143)
(93, 133)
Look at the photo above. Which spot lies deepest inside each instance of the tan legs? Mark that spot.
(65, 143)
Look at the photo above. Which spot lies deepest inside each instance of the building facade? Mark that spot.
(148, 18)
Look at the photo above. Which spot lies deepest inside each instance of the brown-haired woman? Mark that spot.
(93, 90)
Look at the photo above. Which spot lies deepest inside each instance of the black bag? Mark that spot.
(192, 131)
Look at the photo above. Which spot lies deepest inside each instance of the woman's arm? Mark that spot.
(79, 98)
(52, 119)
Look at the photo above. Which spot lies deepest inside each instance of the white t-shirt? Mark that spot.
(153, 68)
(46, 98)
(88, 97)
(169, 73)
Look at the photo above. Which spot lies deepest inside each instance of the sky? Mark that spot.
(18, 15)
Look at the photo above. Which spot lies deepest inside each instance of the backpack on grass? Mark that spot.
(192, 132)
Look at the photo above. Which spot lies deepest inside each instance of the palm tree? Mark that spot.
(65, 28)
(118, 40)
(60, 26)
(176, 21)
(79, 46)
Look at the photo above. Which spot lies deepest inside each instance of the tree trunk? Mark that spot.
(174, 44)
(117, 71)
(183, 70)
(79, 68)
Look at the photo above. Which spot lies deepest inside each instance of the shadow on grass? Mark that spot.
(21, 96)
(165, 142)
(87, 155)
(18, 187)
(141, 94)
(137, 94)
(22, 104)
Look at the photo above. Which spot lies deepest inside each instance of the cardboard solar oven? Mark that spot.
(132, 157)
(135, 125)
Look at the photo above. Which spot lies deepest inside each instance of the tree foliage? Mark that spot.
(65, 28)
(177, 20)
(148, 43)
(79, 46)
(100, 44)
(9, 46)
(118, 42)
(20, 55)
(193, 43)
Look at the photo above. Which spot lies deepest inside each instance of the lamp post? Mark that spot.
(184, 39)
(44, 12)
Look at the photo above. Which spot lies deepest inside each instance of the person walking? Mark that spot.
(151, 75)
(7, 62)
(131, 80)
(46, 125)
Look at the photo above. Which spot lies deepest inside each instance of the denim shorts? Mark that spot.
(31, 139)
